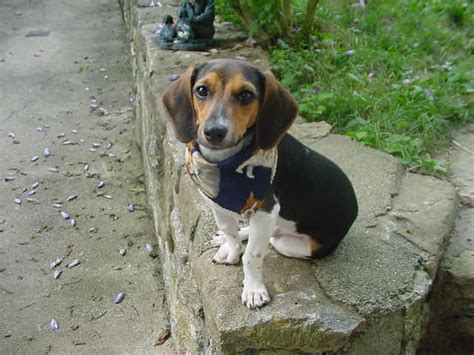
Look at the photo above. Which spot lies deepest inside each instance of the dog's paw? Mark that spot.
(219, 238)
(229, 252)
(255, 295)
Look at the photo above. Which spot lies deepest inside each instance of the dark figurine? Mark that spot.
(168, 32)
(194, 29)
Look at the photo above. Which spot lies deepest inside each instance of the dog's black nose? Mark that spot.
(215, 134)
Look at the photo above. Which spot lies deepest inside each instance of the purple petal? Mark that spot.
(349, 53)
(130, 207)
(73, 263)
(101, 184)
(64, 215)
(57, 205)
(35, 158)
(56, 262)
(35, 185)
(8, 178)
(57, 273)
(72, 197)
(119, 298)
(40, 129)
(31, 193)
(174, 77)
(46, 152)
(251, 41)
(151, 250)
(428, 93)
(53, 325)
(17, 201)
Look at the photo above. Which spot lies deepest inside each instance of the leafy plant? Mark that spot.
(274, 20)
(396, 76)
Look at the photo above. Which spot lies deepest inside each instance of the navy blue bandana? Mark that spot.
(239, 183)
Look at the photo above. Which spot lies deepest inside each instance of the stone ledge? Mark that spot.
(451, 323)
(367, 297)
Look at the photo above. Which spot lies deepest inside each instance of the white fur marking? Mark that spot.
(292, 245)
(287, 241)
(230, 248)
(244, 233)
(261, 227)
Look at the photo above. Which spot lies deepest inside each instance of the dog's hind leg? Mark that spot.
(292, 245)
(287, 241)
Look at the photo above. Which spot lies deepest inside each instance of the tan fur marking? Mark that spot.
(225, 91)
(204, 107)
(251, 203)
(315, 246)
(242, 116)
(189, 160)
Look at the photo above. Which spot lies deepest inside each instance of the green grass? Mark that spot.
(408, 84)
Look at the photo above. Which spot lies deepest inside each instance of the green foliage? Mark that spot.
(266, 18)
(397, 76)
(270, 21)
(227, 13)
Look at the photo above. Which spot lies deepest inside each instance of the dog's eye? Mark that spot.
(202, 92)
(245, 97)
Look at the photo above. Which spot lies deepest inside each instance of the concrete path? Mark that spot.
(65, 86)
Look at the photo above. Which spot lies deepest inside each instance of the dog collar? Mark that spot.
(239, 183)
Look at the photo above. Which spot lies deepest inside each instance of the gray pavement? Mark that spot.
(57, 58)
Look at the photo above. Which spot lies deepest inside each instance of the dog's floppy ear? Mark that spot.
(178, 103)
(277, 113)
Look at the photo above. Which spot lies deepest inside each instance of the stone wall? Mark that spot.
(367, 297)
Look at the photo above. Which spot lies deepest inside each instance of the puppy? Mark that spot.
(233, 118)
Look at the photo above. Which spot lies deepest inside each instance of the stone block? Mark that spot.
(367, 297)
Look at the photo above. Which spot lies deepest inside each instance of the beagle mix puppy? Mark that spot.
(233, 119)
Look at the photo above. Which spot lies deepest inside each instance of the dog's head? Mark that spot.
(218, 103)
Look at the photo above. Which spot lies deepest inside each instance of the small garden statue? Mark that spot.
(168, 32)
(194, 29)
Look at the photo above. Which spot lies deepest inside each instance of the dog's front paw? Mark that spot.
(229, 251)
(219, 238)
(255, 295)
